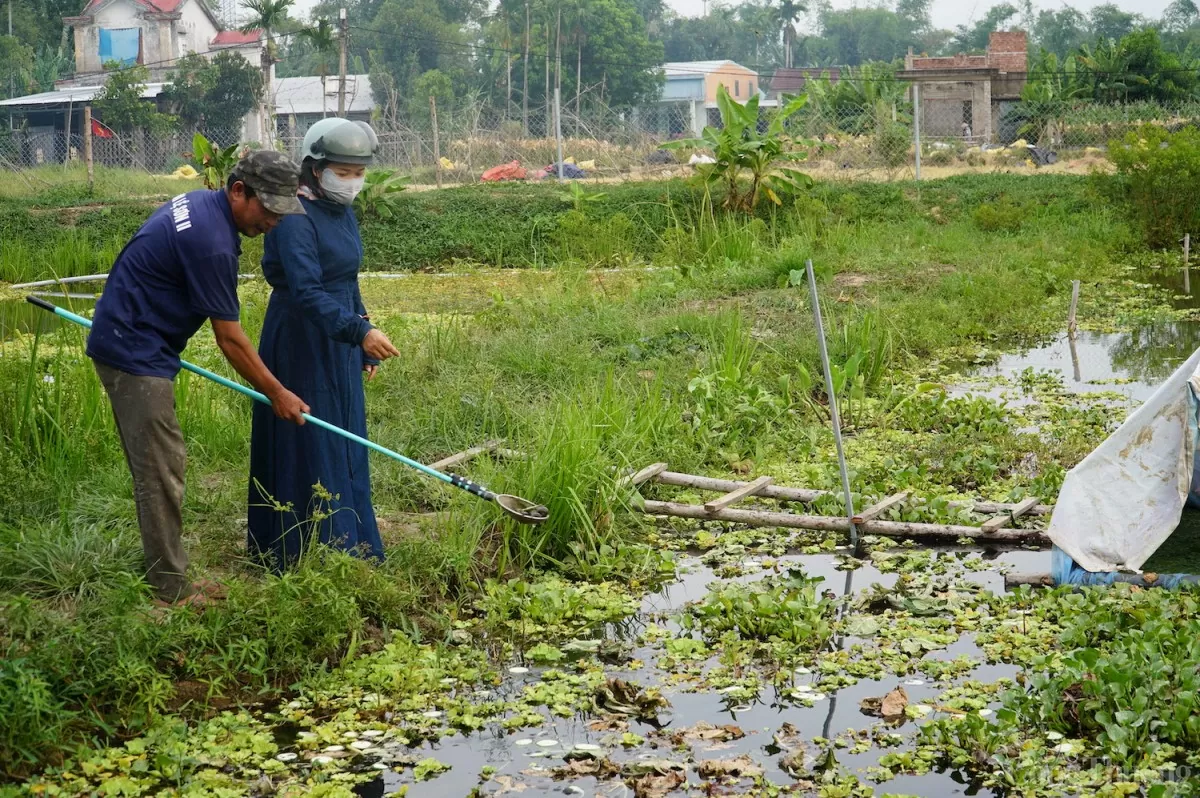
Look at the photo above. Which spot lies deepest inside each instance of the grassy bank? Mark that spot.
(709, 364)
(505, 226)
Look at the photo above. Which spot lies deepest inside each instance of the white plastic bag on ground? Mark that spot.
(1125, 498)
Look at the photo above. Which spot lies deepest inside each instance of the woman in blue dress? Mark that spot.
(318, 340)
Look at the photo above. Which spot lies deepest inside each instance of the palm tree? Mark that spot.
(787, 13)
(267, 16)
(324, 43)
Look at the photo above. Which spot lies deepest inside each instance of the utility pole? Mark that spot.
(11, 84)
(343, 32)
(525, 78)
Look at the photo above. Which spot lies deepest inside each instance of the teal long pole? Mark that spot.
(453, 479)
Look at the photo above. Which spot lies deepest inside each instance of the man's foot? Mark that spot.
(198, 600)
(204, 592)
(210, 588)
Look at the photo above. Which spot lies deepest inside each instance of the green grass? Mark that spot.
(67, 186)
(700, 364)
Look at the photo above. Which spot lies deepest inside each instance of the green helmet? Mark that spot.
(340, 141)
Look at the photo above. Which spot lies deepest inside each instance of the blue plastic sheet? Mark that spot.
(121, 45)
(1065, 571)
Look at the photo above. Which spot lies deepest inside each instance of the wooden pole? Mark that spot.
(67, 135)
(807, 495)
(1187, 266)
(87, 147)
(1038, 580)
(343, 34)
(437, 145)
(829, 524)
(917, 125)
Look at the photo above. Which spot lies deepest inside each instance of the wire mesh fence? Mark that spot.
(878, 140)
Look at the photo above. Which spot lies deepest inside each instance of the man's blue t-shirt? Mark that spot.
(179, 269)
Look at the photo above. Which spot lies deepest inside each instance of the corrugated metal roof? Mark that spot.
(79, 94)
(691, 69)
(302, 95)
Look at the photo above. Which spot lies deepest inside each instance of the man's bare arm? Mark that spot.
(238, 350)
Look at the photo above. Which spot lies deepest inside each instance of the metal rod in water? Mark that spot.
(833, 408)
(1187, 266)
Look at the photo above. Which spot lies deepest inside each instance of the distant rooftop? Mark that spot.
(302, 95)
(678, 69)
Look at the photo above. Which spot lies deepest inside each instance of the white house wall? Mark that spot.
(199, 30)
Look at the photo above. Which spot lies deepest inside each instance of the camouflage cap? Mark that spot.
(275, 179)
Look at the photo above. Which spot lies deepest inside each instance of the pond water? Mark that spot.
(759, 718)
(1131, 364)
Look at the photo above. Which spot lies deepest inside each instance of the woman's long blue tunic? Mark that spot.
(311, 341)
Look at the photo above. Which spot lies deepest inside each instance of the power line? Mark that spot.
(758, 68)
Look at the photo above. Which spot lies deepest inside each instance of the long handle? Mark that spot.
(453, 479)
(833, 406)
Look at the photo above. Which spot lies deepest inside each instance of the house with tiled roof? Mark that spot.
(153, 33)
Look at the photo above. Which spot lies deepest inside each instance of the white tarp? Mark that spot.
(1125, 498)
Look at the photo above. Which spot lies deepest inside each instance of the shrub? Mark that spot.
(1002, 216)
(1158, 177)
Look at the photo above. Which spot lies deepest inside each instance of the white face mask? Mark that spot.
(339, 189)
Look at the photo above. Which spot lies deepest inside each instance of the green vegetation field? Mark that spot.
(598, 337)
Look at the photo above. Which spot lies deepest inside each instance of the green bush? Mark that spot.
(1158, 177)
(1002, 216)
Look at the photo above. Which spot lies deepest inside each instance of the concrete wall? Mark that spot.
(194, 30)
(165, 37)
(943, 111)
(741, 83)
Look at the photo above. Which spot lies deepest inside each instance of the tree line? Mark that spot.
(514, 54)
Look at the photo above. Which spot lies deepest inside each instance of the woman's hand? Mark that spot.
(371, 369)
(377, 346)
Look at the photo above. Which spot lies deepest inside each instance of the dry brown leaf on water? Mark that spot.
(706, 732)
(619, 697)
(889, 707)
(894, 704)
(611, 723)
(508, 785)
(602, 768)
(654, 785)
(743, 767)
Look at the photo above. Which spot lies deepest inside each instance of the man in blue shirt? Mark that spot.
(179, 270)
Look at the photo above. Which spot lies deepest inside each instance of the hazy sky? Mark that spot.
(946, 13)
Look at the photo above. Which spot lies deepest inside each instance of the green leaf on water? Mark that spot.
(429, 768)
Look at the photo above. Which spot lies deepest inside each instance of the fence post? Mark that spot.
(917, 125)
(67, 135)
(558, 131)
(87, 145)
(437, 145)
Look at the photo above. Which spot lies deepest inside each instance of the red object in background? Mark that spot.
(100, 131)
(509, 171)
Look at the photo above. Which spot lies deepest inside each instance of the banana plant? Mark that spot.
(747, 162)
(212, 162)
(380, 193)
